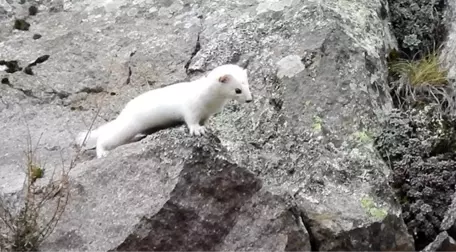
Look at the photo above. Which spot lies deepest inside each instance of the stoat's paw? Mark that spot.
(197, 130)
(102, 153)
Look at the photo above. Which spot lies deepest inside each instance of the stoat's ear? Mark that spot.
(224, 78)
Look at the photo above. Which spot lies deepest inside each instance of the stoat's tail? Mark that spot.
(87, 139)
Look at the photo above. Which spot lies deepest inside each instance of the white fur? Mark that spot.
(191, 102)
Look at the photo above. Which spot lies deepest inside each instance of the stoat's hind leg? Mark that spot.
(118, 134)
(138, 137)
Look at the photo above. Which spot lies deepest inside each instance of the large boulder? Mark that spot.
(295, 170)
(174, 193)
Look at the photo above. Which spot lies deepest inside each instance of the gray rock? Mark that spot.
(183, 195)
(449, 221)
(449, 47)
(307, 138)
(442, 242)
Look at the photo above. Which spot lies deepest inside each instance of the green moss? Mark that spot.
(371, 208)
(378, 213)
(36, 172)
(316, 125)
(367, 202)
(21, 24)
(322, 216)
(363, 137)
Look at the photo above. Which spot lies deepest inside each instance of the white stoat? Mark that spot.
(192, 103)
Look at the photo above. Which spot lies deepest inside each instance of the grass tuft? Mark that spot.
(36, 172)
(425, 71)
(421, 82)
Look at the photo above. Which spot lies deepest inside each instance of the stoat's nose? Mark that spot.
(248, 101)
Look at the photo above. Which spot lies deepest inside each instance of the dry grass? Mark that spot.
(25, 227)
(421, 82)
(426, 71)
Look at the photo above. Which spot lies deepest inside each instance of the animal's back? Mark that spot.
(158, 106)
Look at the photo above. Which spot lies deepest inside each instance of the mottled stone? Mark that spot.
(443, 242)
(305, 138)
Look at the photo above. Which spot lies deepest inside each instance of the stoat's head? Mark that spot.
(232, 82)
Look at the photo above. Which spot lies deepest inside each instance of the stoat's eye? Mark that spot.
(238, 91)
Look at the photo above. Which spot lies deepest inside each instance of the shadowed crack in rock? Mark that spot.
(12, 66)
(195, 51)
(129, 68)
(129, 76)
(5, 81)
(39, 60)
(90, 90)
(201, 211)
(59, 94)
(301, 219)
(26, 92)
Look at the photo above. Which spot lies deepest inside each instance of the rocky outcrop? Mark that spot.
(443, 242)
(449, 46)
(295, 170)
(182, 195)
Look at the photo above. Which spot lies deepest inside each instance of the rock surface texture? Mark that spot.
(294, 170)
(449, 48)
